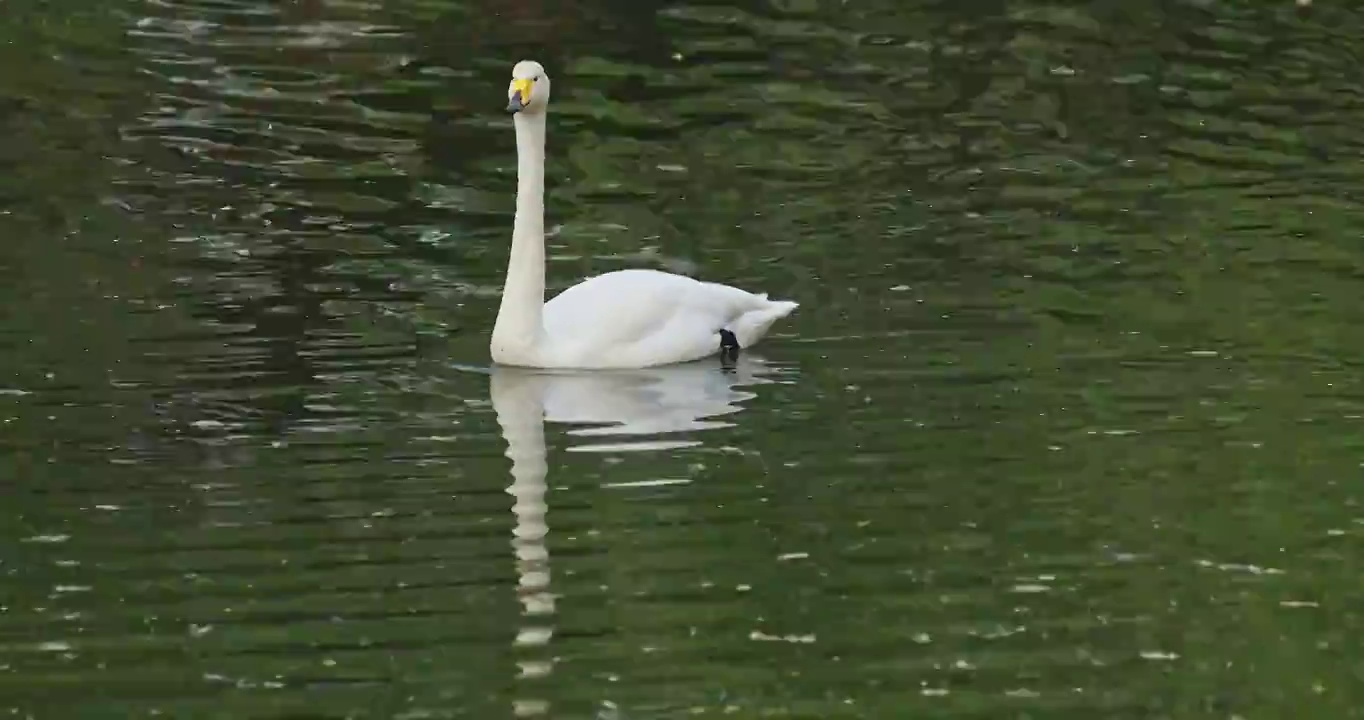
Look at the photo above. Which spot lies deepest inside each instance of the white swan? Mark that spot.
(622, 319)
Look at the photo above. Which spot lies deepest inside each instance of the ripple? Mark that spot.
(1064, 425)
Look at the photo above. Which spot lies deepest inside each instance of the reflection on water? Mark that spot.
(640, 404)
(1076, 418)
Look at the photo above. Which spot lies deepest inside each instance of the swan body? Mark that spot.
(618, 320)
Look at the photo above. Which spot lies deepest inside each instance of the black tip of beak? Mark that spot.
(515, 105)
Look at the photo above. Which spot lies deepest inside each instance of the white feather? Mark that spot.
(623, 319)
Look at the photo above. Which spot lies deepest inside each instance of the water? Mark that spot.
(1067, 426)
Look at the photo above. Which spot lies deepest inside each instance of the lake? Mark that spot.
(1069, 424)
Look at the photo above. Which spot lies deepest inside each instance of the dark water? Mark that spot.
(1068, 424)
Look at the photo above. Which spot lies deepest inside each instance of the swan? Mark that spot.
(627, 319)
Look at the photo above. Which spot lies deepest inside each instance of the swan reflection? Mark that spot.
(613, 411)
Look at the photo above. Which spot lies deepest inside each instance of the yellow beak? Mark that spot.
(520, 96)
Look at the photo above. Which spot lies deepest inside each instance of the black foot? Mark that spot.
(729, 345)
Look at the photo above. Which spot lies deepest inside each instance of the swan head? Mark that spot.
(529, 89)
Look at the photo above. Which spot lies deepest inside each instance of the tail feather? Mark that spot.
(750, 327)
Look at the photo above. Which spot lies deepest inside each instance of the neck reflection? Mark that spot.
(636, 410)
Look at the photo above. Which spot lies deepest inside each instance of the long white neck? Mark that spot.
(518, 328)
